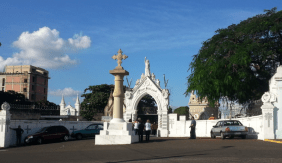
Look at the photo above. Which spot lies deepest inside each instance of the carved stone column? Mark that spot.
(118, 94)
(267, 116)
(5, 118)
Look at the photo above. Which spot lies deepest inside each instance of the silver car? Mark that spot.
(229, 128)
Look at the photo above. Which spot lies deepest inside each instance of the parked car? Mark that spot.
(89, 131)
(229, 128)
(48, 133)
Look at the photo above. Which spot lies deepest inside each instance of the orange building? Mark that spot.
(26, 79)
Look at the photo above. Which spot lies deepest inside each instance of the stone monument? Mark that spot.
(5, 118)
(117, 131)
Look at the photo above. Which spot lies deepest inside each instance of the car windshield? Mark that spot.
(43, 129)
(232, 123)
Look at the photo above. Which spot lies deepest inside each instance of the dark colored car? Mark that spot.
(89, 131)
(48, 133)
(229, 128)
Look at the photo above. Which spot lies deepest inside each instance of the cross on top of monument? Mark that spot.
(119, 57)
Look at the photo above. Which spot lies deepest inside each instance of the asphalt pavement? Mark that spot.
(156, 150)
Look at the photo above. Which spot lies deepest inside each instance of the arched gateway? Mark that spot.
(148, 85)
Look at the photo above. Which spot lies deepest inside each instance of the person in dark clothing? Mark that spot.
(193, 127)
(140, 131)
(19, 132)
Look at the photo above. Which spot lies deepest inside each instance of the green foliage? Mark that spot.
(169, 109)
(95, 100)
(13, 97)
(183, 110)
(238, 61)
(146, 101)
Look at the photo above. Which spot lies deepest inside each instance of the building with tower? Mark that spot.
(200, 109)
(69, 110)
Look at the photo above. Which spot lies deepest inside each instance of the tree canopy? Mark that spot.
(95, 100)
(183, 110)
(238, 61)
(13, 97)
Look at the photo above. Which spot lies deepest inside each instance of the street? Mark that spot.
(157, 150)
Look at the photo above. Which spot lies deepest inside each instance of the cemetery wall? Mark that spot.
(180, 128)
(32, 126)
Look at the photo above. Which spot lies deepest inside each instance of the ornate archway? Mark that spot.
(148, 85)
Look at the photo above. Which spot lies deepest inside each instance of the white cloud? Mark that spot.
(44, 48)
(67, 92)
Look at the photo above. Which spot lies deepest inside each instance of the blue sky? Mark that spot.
(75, 40)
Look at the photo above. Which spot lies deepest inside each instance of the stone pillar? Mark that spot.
(118, 94)
(267, 117)
(5, 118)
(117, 131)
(278, 112)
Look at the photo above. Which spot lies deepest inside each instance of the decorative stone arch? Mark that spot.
(148, 85)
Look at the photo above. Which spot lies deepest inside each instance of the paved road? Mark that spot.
(157, 150)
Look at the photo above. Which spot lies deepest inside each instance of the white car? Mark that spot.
(229, 128)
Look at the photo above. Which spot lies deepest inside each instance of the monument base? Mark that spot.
(116, 133)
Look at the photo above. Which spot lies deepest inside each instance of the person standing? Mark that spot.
(140, 131)
(136, 123)
(154, 128)
(19, 132)
(193, 127)
(148, 129)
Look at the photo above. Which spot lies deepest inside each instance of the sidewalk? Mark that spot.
(279, 141)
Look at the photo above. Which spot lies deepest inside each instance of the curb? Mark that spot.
(273, 141)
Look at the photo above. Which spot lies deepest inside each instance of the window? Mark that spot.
(45, 82)
(24, 90)
(32, 96)
(33, 79)
(100, 127)
(92, 127)
(3, 89)
(25, 80)
(3, 82)
(44, 91)
(33, 87)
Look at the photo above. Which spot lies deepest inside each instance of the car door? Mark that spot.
(50, 133)
(90, 130)
(61, 131)
(216, 129)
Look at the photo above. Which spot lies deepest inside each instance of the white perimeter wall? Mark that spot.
(181, 128)
(35, 125)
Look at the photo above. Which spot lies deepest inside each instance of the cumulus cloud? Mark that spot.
(44, 48)
(67, 92)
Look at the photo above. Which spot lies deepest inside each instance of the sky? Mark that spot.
(75, 40)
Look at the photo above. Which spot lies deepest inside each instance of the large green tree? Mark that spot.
(95, 100)
(183, 110)
(238, 61)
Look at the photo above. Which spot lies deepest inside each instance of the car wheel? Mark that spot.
(78, 136)
(212, 135)
(222, 136)
(39, 141)
(243, 136)
(66, 138)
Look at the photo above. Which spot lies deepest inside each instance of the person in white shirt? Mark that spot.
(148, 129)
(136, 123)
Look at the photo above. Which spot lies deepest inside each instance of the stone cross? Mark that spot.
(268, 117)
(119, 57)
(171, 122)
(72, 128)
(27, 129)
